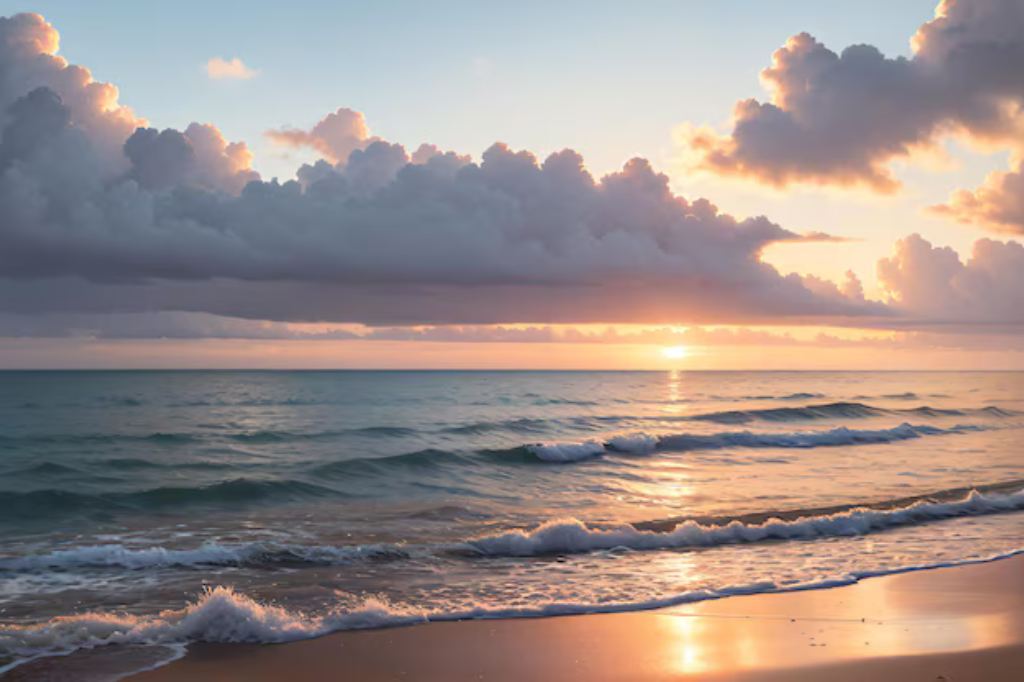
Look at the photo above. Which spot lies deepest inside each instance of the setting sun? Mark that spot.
(675, 352)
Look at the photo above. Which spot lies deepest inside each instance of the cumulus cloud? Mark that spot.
(934, 285)
(335, 137)
(841, 118)
(997, 204)
(28, 60)
(219, 68)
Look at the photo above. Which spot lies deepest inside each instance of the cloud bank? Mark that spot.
(842, 118)
(99, 212)
(102, 214)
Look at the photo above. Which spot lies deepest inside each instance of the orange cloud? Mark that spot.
(998, 203)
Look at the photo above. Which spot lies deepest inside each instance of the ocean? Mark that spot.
(156, 509)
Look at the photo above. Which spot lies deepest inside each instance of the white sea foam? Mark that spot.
(223, 615)
(220, 615)
(642, 443)
(571, 535)
(637, 444)
(567, 452)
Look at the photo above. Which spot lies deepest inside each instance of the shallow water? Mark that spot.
(361, 499)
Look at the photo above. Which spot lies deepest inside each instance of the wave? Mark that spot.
(829, 411)
(273, 436)
(573, 536)
(210, 554)
(789, 414)
(50, 503)
(360, 466)
(524, 425)
(74, 439)
(841, 410)
(642, 443)
(558, 536)
(789, 396)
(222, 615)
(45, 469)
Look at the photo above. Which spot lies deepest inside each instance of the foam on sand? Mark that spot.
(222, 615)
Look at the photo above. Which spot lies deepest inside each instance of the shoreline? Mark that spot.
(955, 623)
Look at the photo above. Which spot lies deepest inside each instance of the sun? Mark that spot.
(675, 352)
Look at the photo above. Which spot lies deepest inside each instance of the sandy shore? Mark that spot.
(950, 624)
(962, 623)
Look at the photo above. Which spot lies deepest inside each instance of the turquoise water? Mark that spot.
(361, 499)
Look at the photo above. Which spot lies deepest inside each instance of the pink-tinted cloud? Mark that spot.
(930, 283)
(219, 68)
(997, 204)
(335, 137)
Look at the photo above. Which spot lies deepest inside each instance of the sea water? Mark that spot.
(163, 508)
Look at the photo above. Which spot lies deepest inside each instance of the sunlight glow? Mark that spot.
(675, 352)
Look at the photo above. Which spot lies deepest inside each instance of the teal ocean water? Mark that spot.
(162, 508)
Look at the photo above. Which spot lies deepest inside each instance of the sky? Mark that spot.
(728, 185)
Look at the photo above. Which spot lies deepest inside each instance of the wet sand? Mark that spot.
(954, 624)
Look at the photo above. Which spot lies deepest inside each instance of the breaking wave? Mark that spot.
(573, 536)
(558, 536)
(222, 615)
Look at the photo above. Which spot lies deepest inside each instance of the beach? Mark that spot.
(959, 623)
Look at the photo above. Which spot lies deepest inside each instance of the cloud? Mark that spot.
(28, 60)
(185, 326)
(101, 214)
(931, 284)
(500, 241)
(997, 204)
(233, 69)
(841, 118)
(335, 137)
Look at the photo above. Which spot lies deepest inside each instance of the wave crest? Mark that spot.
(642, 443)
(565, 536)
